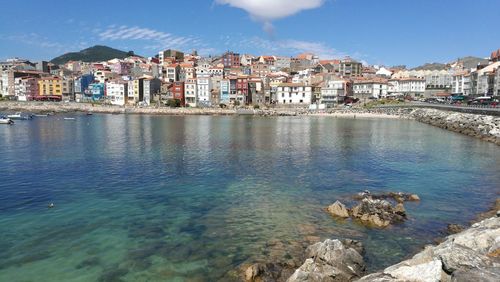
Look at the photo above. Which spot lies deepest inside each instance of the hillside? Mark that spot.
(471, 62)
(432, 66)
(93, 54)
(468, 63)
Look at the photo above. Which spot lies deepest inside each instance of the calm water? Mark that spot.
(152, 198)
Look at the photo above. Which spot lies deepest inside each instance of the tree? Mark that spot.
(173, 103)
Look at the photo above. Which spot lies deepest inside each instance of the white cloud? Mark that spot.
(268, 10)
(265, 11)
(159, 39)
(42, 42)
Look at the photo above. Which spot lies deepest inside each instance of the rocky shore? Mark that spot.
(484, 127)
(470, 255)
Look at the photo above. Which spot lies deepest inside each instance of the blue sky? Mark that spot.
(389, 32)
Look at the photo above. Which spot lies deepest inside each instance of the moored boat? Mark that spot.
(5, 120)
(19, 116)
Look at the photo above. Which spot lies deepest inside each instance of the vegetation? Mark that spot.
(256, 107)
(173, 103)
(381, 102)
(92, 54)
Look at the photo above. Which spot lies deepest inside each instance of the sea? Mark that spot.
(197, 198)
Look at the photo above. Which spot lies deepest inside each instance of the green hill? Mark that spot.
(93, 54)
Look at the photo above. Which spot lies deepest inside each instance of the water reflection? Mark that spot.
(165, 198)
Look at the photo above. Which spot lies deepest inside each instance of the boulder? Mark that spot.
(268, 272)
(338, 209)
(424, 272)
(331, 260)
(413, 198)
(400, 209)
(491, 274)
(377, 212)
(454, 228)
(465, 256)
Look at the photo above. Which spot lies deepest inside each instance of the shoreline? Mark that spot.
(452, 255)
(484, 127)
(56, 108)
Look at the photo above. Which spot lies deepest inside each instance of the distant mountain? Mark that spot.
(432, 66)
(468, 63)
(93, 54)
(471, 62)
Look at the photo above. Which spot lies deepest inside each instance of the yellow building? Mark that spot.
(50, 86)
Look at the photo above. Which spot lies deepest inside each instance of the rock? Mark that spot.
(377, 212)
(454, 257)
(331, 260)
(362, 195)
(338, 209)
(491, 274)
(465, 256)
(268, 272)
(454, 228)
(425, 272)
(400, 209)
(414, 198)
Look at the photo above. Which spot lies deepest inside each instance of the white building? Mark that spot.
(460, 83)
(151, 87)
(117, 91)
(436, 79)
(203, 84)
(102, 76)
(190, 92)
(334, 91)
(203, 90)
(246, 60)
(383, 72)
(294, 94)
(370, 89)
(411, 86)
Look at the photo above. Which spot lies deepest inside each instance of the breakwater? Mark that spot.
(485, 127)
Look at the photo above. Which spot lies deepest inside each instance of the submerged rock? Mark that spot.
(454, 228)
(375, 209)
(331, 260)
(338, 209)
(268, 272)
(377, 212)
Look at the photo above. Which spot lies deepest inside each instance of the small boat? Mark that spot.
(69, 118)
(19, 116)
(89, 113)
(15, 116)
(40, 115)
(4, 120)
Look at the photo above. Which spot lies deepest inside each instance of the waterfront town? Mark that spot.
(180, 79)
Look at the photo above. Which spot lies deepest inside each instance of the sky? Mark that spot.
(383, 32)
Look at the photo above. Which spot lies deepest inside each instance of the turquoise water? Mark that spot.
(157, 198)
